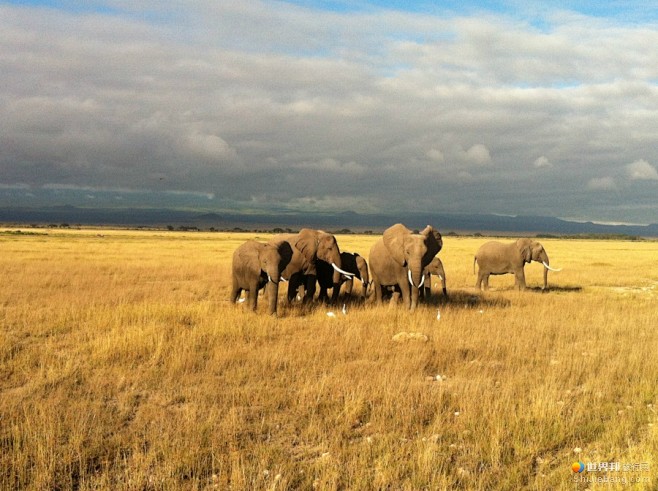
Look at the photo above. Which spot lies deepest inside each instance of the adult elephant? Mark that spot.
(499, 258)
(308, 247)
(350, 262)
(435, 267)
(400, 257)
(255, 265)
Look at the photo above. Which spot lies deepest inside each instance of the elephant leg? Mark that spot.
(349, 284)
(405, 291)
(478, 282)
(377, 287)
(294, 284)
(235, 292)
(520, 279)
(252, 300)
(486, 282)
(310, 288)
(395, 297)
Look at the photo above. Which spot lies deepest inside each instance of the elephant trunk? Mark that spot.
(416, 280)
(272, 295)
(336, 278)
(546, 268)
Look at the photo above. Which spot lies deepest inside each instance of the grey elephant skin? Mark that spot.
(400, 257)
(350, 262)
(255, 265)
(309, 246)
(496, 258)
(435, 267)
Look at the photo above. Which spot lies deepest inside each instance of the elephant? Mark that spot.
(350, 262)
(255, 265)
(400, 257)
(308, 247)
(434, 267)
(498, 258)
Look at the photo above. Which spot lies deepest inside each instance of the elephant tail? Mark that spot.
(475, 259)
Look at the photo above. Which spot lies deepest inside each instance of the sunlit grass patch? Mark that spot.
(124, 366)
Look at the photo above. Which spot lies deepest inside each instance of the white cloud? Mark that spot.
(602, 184)
(641, 170)
(209, 147)
(542, 163)
(478, 155)
(436, 155)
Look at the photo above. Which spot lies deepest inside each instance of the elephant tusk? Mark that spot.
(341, 270)
(440, 277)
(347, 277)
(551, 269)
(284, 280)
(422, 279)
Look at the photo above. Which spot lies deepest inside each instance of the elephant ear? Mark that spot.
(394, 237)
(284, 249)
(250, 255)
(433, 241)
(361, 267)
(525, 248)
(307, 243)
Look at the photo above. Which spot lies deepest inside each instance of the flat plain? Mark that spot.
(124, 366)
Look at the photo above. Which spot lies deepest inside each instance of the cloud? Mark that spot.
(602, 184)
(436, 155)
(478, 154)
(234, 98)
(542, 163)
(641, 170)
(209, 147)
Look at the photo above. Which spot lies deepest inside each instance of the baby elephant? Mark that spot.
(352, 263)
(498, 258)
(255, 265)
(435, 267)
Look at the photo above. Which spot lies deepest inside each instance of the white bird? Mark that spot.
(242, 300)
(438, 315)
(344, 311)
(331, 314)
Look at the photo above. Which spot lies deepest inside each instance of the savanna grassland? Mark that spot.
(123, 366)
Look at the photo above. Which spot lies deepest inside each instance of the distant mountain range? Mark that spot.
(485, 224)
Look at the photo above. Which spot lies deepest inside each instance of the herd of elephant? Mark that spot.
(400, 263)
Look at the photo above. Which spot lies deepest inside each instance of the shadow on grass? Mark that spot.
(555, 289)
(467, 300)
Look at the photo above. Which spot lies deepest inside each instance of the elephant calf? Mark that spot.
(497, 258)
(434, 268)
(255, 265)
(352, 263)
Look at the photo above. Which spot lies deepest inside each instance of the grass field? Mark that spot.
(123, 366)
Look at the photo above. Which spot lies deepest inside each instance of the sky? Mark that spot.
(373, 106)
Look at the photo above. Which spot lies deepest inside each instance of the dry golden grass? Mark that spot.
(123, 366)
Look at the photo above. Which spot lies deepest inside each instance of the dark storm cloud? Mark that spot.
(266, 104)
